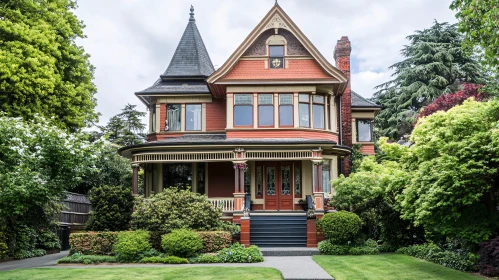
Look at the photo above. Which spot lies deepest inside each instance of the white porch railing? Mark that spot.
(226, 204)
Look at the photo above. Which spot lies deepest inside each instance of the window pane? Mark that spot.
(364, 133)
(304, 97)
(201, 177)
(326, 177)
(297, 180)
(259, 181)
(266, 115)
(265, 99)
(276, 62)
(173, 117)
(304, 111)
(153, 124)
(277, 51)
(193, 117)
(243, 115)
(177, 175)
(247, 181)
(285, 99)
(285, 115)
(270, 180)
(318, 116)
(286, 180)
(243, 98)
(318, 99)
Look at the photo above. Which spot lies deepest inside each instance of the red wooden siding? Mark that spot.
(220, 179)
(298, 69)
(216, 116)
(282, 133)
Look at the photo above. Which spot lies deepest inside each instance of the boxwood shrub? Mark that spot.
(326, 247)
(214, 241)
(340, 227)
(87, 259)
(182, 243)
(166, 260)
(131, 244)
(93, 243)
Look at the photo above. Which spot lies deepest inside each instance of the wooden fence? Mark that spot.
(76, 212)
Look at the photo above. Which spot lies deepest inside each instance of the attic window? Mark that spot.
(276, 57)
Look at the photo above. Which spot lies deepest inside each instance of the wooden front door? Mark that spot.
(278, 185)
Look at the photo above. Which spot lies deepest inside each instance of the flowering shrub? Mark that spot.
(93, 243)
(237, 253)
(433, 253)
(182, 243)
(131, 244)
(214, 241)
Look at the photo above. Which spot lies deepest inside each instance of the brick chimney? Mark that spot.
(342, 58)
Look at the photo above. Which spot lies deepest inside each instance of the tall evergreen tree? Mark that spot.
(42, 69)
(435, 63)
(126, 128)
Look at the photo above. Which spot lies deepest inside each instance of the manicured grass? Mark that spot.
(387, 267)
(147, 273)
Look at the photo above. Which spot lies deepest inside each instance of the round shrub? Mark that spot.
(182, 243)
(112, 208)
(131, 244)
(173, 209)
(214, 241)
(340, 227)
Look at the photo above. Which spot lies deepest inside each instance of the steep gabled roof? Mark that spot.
(191, 57)
(360, 102)
(277, 18)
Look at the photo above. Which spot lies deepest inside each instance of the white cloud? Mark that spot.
(132, 41)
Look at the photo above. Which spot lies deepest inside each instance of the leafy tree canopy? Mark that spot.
(435, 63)
(125, 128)
(42, 69)
(454, 167)
(479, 21)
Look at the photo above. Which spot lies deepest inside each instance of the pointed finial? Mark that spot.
(192, 14)
(277, 4)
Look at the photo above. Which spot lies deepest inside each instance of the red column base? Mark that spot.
(311, 233)
(245, 231)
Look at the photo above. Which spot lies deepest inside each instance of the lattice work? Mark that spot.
(185, 157)
(279, 155)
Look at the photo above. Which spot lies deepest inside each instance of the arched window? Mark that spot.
(276, 51)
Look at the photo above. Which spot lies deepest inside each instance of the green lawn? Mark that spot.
(184, 273)
(387, 267)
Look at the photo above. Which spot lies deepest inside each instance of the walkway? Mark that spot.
(291, 267)
(48, 260)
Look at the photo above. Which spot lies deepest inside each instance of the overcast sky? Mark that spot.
(131, 42)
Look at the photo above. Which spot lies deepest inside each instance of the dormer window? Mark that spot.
(276, 57)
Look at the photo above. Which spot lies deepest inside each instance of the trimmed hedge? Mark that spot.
(432, 253)
(131, 244)
(182, 243)
(87, 259)
(214, 241)
(326, 247)
(167, 260)
(93, 243)
(340, 227)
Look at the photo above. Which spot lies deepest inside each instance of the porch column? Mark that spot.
(135, 179)
(317, 187)
(239, 168)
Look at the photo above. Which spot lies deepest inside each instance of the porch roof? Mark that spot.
(196, 140)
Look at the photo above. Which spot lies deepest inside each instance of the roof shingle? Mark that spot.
(359, 101)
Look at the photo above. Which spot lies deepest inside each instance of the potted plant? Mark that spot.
(303, 204)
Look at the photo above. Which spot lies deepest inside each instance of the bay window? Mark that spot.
(192, 117)
(243, 109)
(318, 111)
(173, 117)
(304, 110)
(285, 109)
(265, 110)
(364, 130)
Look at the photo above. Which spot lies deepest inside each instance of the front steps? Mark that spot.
(278, 231)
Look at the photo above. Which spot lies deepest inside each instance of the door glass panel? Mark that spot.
(286, 180)
(297, 181)
(259, 181)
(270, 180)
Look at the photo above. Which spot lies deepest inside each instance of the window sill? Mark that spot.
(281, 128)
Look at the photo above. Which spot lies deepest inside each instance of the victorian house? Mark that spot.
(262, 136)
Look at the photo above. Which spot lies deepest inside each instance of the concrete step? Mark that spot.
(289, 251)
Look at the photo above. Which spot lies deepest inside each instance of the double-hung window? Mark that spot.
(285, 109)
(192, 117)
(304, 110)
(173, 117)
(364, 130)
(265, 110)
(318, 111)
(243, 110)
(276, 57)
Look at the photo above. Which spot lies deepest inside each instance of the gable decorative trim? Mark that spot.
(276, 22)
